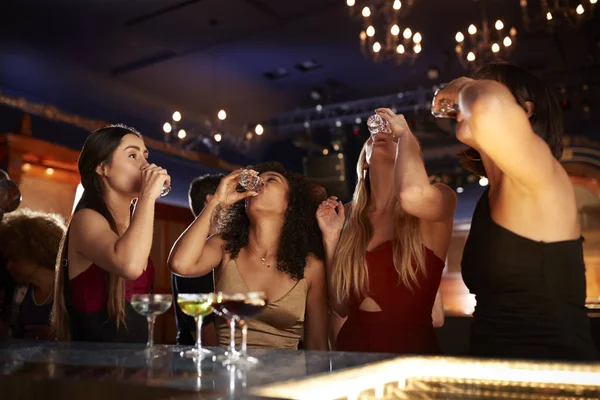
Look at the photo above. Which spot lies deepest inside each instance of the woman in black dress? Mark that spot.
(523, 258)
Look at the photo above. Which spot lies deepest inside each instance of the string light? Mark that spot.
(259, 130)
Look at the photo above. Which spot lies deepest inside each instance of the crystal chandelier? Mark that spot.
(547, 15)
(382, 36)
(484, 44)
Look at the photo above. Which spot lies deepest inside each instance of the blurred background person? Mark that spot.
(28, 247)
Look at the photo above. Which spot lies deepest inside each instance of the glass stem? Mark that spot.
(232, 336)
(151, 320)
(199, 334)
(244, 338)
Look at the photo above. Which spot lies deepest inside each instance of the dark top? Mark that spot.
(404, 325)
(530, 295)
(31, 314)
(86, 298)
(186, 324)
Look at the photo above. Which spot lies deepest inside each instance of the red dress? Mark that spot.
(404, 325)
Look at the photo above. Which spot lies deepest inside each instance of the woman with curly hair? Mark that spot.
(29, 245)
(263, 244)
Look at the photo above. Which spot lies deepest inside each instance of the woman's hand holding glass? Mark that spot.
(227, 193)
(445, 99)
(155, 180)
(397, 124)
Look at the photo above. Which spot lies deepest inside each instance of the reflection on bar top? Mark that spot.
(374, 381)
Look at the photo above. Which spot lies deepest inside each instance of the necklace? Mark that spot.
(45, 301)
(262, 259)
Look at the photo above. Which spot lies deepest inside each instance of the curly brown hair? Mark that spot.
(300, 235)
(31, 235)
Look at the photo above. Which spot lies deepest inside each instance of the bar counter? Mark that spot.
(90, 371)
(107, 371)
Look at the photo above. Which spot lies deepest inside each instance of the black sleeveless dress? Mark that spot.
(530, 295)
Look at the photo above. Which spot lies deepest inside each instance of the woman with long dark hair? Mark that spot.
(265, 242)
(104, 256)
(523, 258)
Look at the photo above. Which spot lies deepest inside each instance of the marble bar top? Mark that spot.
(89, 371)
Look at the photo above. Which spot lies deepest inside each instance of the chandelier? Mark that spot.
(382, 37)
(484, 44)
(547, 15)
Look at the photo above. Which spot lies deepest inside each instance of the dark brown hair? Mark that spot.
(546, 121)
(98, 148)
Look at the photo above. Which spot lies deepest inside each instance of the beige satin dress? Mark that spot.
(279, 326)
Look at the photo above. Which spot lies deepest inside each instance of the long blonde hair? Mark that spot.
(349, 266)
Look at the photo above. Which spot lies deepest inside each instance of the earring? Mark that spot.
(471, 158)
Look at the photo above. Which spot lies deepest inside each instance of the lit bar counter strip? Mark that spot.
(58, 370)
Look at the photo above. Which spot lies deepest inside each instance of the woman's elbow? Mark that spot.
(176, 266)
(133, 271)
(438, 320)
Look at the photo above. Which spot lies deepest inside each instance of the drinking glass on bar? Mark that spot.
(151, 306)
(442, 107)
(252, 305)
(239, 307)
(197, 306)
(231, 355)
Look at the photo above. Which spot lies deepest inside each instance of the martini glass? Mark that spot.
(238, 307)
(197, 306)
(219, 308)
(252, 305)
(151, 306)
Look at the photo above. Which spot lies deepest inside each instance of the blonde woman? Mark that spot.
(385, 261)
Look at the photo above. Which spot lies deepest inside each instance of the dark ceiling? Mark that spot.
(149, 57)
(136, 61)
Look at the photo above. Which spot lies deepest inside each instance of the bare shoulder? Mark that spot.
(87, 220)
